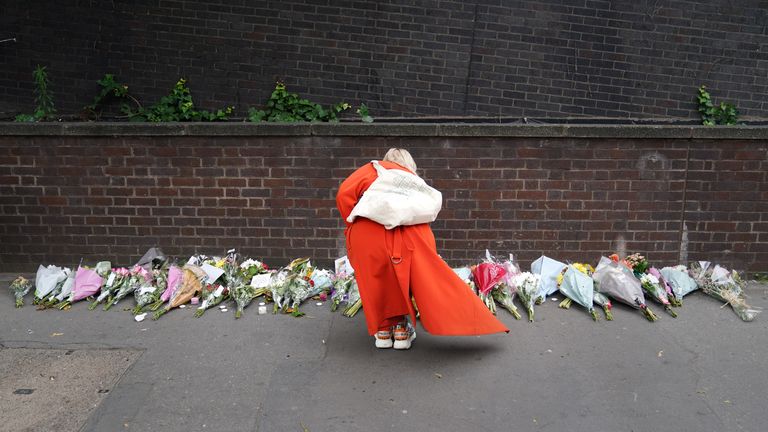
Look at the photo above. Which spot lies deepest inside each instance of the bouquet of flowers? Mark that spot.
(528, 288)
(251, 267)
(243, 293)
(212, 295)
(666, 286)
(115, 279)
(618, 281)
(149, 294)
(601, 300)
(548, 269)
(50, 298)
(575, 282)
(47, 280)
(172, 284)
(64, 291)
(191, 283)
(354, 301)
(87, 283)
(20, 287)
(652, 286)
(679, 280)
(487, 275)
(726, 286)
(637, 263)
(504, 292)
(139, 276)
(342, 285)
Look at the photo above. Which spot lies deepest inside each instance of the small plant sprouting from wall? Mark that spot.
(711, 114)
(110, 89)
(43, 98)
(289, 107)
(177, 106)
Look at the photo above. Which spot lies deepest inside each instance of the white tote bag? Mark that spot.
(397, 198)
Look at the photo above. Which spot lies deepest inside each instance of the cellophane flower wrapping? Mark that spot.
(665, 285)
(652, 286)
(87, 282)
(618, 281)
(354, 302)
(46, 280)
(66, 289)
(504, 292)
(579, 287)
(243, 293)
(174, 281)
(724, 285)
(149, 294)
(548, 269)
(679, 280)
(138, 277)
(114, 281)
(528, 288)
(212, 295)
(486, 276)
(20, 287)
(342, 284)
(192, 277)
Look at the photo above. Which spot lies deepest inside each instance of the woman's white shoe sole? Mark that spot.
(383, 343)
(404, 344)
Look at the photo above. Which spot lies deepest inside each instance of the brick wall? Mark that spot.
(272, 197)
(550, 58)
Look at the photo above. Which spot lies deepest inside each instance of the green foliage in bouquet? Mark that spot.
(289, 107)
(711, 114)
(43, 98)
(177, 106)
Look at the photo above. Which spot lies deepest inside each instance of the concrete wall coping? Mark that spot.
(386, 129)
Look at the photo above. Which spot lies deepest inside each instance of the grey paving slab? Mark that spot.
(704, 371)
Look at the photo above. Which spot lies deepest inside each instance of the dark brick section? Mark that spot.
(63, 198)
(549, 58)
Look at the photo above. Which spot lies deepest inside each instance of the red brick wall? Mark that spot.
(63, 198)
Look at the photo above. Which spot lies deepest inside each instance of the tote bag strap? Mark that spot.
(379, 169)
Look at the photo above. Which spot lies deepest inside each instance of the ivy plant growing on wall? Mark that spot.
(289, 107)
(110, 90)
(43, 98)
(711, 114)
(177, 106)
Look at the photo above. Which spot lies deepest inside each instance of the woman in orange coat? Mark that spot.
(393, 265)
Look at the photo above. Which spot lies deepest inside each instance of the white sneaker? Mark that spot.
(383, 339)
(404, 335)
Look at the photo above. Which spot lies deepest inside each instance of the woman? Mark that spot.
(393, 265)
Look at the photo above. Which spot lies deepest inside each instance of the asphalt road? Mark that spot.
(704, 371)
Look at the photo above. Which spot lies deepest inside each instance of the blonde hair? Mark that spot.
(401, 157)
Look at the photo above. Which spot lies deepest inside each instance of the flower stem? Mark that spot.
(19, 302)
(649, 314)
(159, 313)
(608, 313)
(566, 304)
(238, 313)
(670, 311)
(595, 317)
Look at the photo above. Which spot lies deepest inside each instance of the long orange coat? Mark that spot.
(392, 265)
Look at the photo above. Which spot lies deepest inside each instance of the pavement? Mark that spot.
(704, 371)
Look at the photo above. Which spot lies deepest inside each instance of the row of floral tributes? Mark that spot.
(158, 285)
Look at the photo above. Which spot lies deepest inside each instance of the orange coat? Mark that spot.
(392, 265)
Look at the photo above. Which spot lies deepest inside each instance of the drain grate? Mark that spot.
(23, 391)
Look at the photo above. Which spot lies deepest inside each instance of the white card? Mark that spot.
(343, 265)
(218, 291)
(111, 279)
(212, 272)
(145, 289)
(261, 280)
